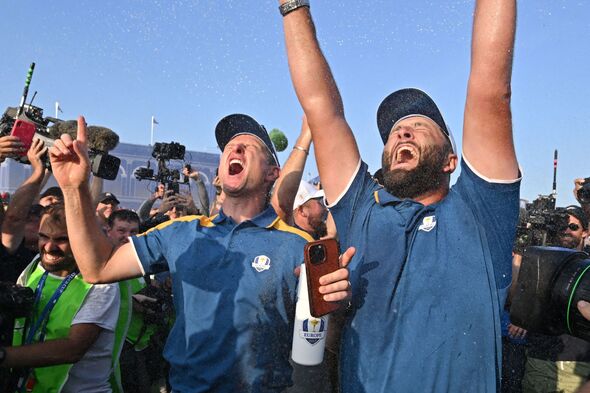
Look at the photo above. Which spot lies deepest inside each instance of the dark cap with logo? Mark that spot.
(108, 197)
(405, 103)
(239, 124)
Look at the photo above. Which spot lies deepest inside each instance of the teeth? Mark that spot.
(235, 161)
(405, 149)
(52, 258)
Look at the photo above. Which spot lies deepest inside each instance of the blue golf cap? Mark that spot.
(238, 124)
(406, 103)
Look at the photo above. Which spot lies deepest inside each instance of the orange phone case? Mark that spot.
(318, 306)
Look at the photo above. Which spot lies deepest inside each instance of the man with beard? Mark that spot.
(433, 263)
(67, 344)
(309, 211)
(560, 363)
(233, 279)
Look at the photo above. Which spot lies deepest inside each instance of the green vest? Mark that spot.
(139, 332)
(51, 379)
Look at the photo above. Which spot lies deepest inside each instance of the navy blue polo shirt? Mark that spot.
(428, 285)
(234, 294)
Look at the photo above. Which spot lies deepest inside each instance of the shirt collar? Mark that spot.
(383, 198)
(264, 219)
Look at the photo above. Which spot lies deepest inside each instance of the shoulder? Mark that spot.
(281, 228)
(181, 222)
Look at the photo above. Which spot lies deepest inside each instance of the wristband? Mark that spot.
(292, 5)
(303, 149)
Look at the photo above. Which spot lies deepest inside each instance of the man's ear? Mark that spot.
(451, 164)
(273, 173)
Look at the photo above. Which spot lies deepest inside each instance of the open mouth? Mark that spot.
(52, 258)
(405, 154)
(235, 167)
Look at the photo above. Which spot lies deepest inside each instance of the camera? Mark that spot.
(550, 283)
(164, 152)
(168, 151)
(27, 123)
(317, 254)
(584, 192)
(540, 224)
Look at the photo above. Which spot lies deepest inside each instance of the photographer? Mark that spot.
(233, 325)
(201, 189)
(68, 343)
(559, 363)
(19, 229)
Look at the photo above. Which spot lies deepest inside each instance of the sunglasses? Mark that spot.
(573, 227)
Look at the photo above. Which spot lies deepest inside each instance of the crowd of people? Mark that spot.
(192, 295)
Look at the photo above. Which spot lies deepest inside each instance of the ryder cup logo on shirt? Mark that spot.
(428, 223)
(261, 263)
(313, 330)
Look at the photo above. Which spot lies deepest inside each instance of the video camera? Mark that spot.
(584, 192)
(164, 152)
(540, 224)
(15, 302)
(27, 123)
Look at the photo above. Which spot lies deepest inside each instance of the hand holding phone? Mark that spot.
(25, 131)
(321, 258)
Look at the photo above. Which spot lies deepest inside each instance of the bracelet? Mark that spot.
(303, 149)
(292, 5)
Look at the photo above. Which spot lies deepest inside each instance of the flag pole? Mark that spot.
(56, 108)
(152, 133)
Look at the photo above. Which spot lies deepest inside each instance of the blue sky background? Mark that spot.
(189, 63)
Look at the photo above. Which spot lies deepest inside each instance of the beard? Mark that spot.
(568, 241)
(67, 263)
(427, 176)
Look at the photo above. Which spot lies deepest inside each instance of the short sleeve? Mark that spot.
(100, 307)
(495, 205)
(151, 248)
(354, 201)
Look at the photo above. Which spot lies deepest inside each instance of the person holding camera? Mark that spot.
(68, 342)
(433, 263)
(232, 275)
(559, 363)
(21, 223)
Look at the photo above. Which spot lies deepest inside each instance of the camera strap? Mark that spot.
(41, 322)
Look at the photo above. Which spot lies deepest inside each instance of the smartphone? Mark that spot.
(25, 131)
(321, 257)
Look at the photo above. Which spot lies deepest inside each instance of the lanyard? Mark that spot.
(41, 322)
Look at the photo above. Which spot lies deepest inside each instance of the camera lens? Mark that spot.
(317, 254)
(550, 283)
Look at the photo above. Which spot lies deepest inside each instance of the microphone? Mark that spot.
(99, 138)
(279, 139)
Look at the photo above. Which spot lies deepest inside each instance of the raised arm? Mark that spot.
(487, 128)
(97, 258)
(287, 184)
(13, 227)
(336, 151)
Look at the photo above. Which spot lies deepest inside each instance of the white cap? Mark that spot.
(306, 192)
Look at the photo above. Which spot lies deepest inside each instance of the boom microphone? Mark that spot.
(99, 138)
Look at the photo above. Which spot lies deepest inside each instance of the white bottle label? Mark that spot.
(309, 333)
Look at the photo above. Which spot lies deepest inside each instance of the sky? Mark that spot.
(190, 63)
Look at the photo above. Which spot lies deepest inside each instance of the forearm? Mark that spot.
(287, 184)
(145, 208)
(335, 148)
(311, 75)
(492, 46)
(90, 245)
(487, 130)
(48, 353)
(203, 196)
(17, 213)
